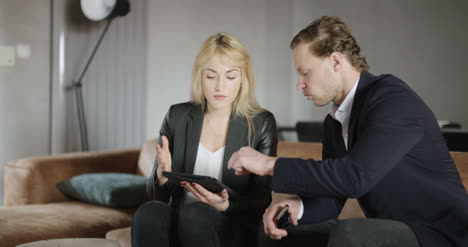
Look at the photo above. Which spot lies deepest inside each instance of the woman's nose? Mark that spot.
(220, 83)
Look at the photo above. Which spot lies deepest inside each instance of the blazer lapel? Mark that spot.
(193, 132)
(236, 138)
(364, 82)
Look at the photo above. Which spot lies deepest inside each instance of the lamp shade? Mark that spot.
(98, 10)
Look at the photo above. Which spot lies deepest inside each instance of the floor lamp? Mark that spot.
(95, 10)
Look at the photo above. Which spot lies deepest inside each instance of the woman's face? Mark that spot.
(221, 82)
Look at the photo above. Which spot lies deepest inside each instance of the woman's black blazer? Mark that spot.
(182, 126)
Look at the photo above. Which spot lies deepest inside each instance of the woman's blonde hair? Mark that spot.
(245, 103)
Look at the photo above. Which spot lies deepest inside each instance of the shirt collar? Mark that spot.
(346, 106)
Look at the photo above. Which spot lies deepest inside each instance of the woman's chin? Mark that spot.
(218, 105)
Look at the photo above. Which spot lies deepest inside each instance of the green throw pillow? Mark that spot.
(115, 190)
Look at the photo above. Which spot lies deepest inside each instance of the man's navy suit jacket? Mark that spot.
(397, 165)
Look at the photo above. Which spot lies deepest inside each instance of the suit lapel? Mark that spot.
(193, 132)
(336, 147)
(365, 80)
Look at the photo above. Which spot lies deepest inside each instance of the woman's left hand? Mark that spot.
(218, 201)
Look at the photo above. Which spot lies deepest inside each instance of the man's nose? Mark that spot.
(300, 84)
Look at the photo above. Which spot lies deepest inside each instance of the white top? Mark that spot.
(340, 113)
(207, 164)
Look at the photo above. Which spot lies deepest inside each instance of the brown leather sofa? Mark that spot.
(35, 209)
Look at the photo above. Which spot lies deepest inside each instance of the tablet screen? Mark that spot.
(209, 183)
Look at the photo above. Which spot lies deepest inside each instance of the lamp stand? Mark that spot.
(77, 85)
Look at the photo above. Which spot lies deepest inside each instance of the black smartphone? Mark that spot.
(282, 218)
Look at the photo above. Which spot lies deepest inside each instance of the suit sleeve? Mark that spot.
(320, 209)
(153, 190)
(259, 196)
(393, 126)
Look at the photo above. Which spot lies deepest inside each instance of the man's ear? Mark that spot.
(337, 59)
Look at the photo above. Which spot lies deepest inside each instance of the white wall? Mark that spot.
(114, 85)
(420, 41)
(177, 29)
(24, 87)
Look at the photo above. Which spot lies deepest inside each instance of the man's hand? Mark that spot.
(279, 200)
(164, 160)
(218, 201)
(248, 160)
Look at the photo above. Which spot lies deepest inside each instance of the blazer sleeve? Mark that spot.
(259, 195)
(153, 190)
(393, 126)
(320, 209)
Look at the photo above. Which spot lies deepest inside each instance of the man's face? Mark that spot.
(316, 78)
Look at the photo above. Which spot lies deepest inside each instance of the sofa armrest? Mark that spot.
(33, 180)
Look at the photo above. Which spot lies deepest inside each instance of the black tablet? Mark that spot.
(209, 183)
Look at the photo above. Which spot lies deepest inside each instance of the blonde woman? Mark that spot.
(199, 137)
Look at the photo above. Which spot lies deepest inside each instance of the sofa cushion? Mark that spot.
(461, 160)
(303, 150)
(121, 236)
(33, 180)
(146, 158)
(115, 190)
(70, 219)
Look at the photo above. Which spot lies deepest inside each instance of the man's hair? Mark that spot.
(330, 34)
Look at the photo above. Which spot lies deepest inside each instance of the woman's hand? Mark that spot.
(218, 201)
(164, 160)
